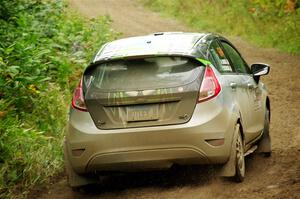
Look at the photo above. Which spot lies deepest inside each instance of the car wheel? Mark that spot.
(240, 159)
(81, 189)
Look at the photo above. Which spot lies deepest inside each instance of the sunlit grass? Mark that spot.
(268, 24)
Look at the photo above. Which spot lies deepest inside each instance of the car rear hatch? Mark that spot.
(142, 92)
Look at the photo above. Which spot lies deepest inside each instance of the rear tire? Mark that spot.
(267, 154)
(81, 189)
(240, 159)
(78, 189)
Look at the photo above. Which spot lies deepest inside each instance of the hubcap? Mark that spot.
(240, 156)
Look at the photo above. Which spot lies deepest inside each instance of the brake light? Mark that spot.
(210, 86)
(78, 100)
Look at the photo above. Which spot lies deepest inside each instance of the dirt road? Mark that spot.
(275, 177)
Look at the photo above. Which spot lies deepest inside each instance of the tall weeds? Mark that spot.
(43, 49)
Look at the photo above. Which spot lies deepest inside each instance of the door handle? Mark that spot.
(233, 85)
(251, 86)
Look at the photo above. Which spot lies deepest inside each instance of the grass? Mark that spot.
(268, 24)
(43, 49)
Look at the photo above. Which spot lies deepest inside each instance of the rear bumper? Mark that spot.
(145, 159)
(150, 147)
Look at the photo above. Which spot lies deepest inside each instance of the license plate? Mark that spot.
(142, 113)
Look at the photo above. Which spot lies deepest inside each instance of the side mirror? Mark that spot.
(260, 69)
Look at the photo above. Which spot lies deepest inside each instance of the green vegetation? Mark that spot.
(267, 23)
(43, 49)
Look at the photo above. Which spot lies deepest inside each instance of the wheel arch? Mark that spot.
(238, 119)
(240, 122)
(241, 127)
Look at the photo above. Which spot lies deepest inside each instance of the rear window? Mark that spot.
(145, 73)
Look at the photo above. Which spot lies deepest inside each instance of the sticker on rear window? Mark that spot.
(225, 65)
(225, 62)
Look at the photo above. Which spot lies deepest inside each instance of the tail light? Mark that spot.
(78, 99)
(210, 86)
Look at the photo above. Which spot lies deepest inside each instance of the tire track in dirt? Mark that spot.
(275, 177)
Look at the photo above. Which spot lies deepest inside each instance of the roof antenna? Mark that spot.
(158, 33)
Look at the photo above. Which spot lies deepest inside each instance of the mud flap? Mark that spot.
(74, 179)
(229, 168)
(264, 145)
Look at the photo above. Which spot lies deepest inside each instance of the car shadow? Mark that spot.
(177, 176)
(165, 179)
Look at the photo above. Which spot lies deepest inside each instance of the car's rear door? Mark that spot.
(228, 78)
(247, 93)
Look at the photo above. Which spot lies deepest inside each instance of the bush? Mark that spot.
(267, 23)
(43, 49)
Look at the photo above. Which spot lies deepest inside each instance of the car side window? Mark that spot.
(219, 58)
(237, 61)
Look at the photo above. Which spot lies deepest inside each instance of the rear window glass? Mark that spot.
(145, 73)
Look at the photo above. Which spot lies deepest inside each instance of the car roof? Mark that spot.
(164, 43)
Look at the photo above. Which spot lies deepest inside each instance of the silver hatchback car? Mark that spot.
(153, 101)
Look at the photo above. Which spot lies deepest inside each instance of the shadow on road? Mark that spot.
(174, 177)
(177, 176)
(166, 182)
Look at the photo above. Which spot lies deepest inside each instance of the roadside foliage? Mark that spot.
(266, 23)
(43, 49)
